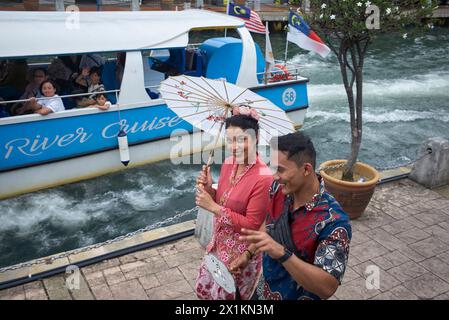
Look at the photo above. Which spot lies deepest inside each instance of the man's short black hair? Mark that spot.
(298, 146)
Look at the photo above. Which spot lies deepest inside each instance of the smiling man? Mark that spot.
(306, 241)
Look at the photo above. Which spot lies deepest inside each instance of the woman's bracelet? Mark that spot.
(250, 253)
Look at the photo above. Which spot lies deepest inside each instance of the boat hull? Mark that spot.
(41, 152)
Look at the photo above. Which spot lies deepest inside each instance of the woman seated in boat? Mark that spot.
(31, 90)
(240, 201)
(90, 80)
(50, 101)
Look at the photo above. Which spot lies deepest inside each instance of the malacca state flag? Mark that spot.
(300, 34)
(252, 19)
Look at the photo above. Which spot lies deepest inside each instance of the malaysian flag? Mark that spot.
(252, 19)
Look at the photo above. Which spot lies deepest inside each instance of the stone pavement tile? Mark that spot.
(128, 290)
(386, 280)
(441, 203)
(429, 247)
(352, 261)
(140, 268)
(444, 296)
(427, 286)
(373, 218)
(402, 293)
(170, 291)
(438, 232)
(95, 279)
(187, 244)
(114, 275)
(169, 276)
(413, 235)
(188, 296)
(407, 271)
(189, 270)
(390, 260)
(350, 275)
(388, 295)
(102, 292)
(444, 256)
(386, 239)
(149, 281)
(167, 250)
(184, 257)
(412, 254)
(56, 288)
(432, 217)
(416, 208)
(437, 267)
(101, 265)
(147, 253)
(444, 225)
(359, 237)
(402, 225)
(127, 259)
(35, 291)
(83, 292)
(14, 293)
(368, 250)
(359, 226)
(355, 290)
(395, 211)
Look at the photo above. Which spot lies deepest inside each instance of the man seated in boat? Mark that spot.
(50, 101)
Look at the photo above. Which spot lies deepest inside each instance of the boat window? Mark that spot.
(77, 79)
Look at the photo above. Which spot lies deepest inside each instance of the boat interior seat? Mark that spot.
(109, 79)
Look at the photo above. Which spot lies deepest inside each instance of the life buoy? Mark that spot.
(279, 72)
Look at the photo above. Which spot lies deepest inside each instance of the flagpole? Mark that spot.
(286, 49)
(227, 12)
(266, 62)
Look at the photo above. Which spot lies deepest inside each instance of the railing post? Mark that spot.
(200, 4)
(59, 5)
(135, 5)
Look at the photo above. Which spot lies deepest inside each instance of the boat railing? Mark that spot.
(63, 96)
(282, 71)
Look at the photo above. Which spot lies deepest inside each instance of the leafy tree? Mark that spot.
(348, 27)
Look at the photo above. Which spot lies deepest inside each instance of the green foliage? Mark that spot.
(350, 19)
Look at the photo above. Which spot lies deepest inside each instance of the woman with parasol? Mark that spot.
(240, 201)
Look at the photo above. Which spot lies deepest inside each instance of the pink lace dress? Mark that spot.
(243, 201)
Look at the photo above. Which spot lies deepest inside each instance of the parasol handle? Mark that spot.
(211, 153)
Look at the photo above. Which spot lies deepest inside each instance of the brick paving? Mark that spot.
(404, 233)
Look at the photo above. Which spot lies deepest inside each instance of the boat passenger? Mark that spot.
(101, 102)
(64, 70)
(14, 80)
(90, 79)
(32, 90)
(240, 201)
(50, 102)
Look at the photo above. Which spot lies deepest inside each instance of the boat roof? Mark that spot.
(24, 34)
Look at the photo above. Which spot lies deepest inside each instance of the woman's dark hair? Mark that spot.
(243, 122)
(52, 83)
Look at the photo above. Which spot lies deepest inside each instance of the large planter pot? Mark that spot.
(352, 196)
(31, 5)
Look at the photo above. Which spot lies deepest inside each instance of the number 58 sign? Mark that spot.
(289, 96)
